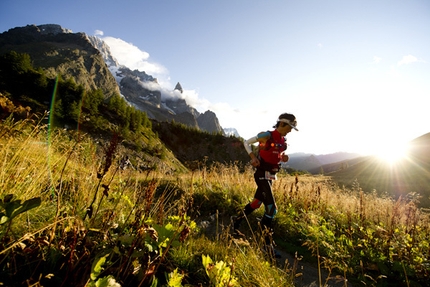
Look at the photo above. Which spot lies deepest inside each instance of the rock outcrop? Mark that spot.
(209, 122)
(58, 51)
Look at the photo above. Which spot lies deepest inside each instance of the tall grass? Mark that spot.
(367, 238)
(98, 222)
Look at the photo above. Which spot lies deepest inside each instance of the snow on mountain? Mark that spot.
(231, 132)
(145, 93)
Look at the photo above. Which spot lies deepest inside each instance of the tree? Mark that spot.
(118, 105)
(74, 111)
(19, 78)
(71, 96)
(92, 101)
(57, 110)
(135, 120)
(16, 63)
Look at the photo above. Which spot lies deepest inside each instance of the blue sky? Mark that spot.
(355, 73)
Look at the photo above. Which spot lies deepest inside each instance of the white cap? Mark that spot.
(292, 124)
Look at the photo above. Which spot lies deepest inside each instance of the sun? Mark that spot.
(392, 153)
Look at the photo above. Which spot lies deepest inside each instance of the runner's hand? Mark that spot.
(255, 162)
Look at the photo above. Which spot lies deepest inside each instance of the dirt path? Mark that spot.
(307, 274)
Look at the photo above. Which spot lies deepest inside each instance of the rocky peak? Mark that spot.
(53, 29)
(139, 89)
(180, 106)
(209, 122)
(143, 91)
(47, 29)
(100, 45)
(178, 87)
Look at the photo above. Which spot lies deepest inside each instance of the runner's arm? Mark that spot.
(261, 137)
(247, 144)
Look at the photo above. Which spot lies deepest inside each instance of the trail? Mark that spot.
(306, 274)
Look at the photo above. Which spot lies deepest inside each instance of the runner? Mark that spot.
(272, 145)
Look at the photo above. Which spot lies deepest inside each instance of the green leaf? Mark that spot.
(11, 206)
(207, 261)
(97, 267)
(27, 205)
(14, 208)
(149, 246)
(175, 279)
(165, 234)
(108, 281)
(3, 218)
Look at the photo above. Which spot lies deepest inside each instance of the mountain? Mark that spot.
(59, 51)
(231, 132)
(144, 92)
(419, 150)
(313, 163)
(88, 61)
(336, 166)
(409, 177)
(304, 163)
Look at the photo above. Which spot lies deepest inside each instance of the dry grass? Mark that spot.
(362, 236)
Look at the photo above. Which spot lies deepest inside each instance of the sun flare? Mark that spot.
(392, 153)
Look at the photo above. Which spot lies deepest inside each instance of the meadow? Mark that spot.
(76, 212)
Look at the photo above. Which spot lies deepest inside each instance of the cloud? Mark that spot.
(376, 59)
(98, 33)
(190, 96)
(407, 60)
(320, 45)
(193, 99)
(152, 86)
(167, 93)
(220, 108)
(132, 57)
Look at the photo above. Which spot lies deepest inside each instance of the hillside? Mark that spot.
(193, 147)
(419, 150)
(85, 112)
(313, 163)
(407, 177)
(49, 68)
(336, 166)
(59, 51)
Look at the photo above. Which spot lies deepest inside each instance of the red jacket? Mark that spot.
(270, 152)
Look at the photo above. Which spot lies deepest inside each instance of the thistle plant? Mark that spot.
(104, 168)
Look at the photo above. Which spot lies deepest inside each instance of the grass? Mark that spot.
(98, 223)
